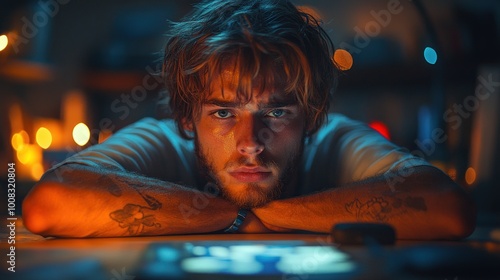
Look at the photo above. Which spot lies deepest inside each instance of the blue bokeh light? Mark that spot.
(430, 55)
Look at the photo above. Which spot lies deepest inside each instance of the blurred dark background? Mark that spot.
(427, 73)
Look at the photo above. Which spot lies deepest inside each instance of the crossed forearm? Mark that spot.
(86, 202)
(426, 205)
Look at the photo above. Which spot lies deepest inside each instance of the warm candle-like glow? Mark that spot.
(4, 41)
(19, 139)
(81, 134)
(470, 176)
(104, 134)
(74, 111)
(55, 127)
(43, 137)
(29, 154)
(16, 118)
(343, 59)
(36, 171)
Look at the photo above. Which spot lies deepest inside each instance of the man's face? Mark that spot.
(250, 149)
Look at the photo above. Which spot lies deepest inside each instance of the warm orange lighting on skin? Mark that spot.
(43, 137)
(381, 128)
(343, 59)
(4, 41)
(470, 176)
(19, 139)
(81, 134)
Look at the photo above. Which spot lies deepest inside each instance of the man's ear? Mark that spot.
(187, 125)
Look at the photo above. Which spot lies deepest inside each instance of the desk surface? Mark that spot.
(118, 258)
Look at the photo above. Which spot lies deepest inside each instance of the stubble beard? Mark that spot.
(254, 195)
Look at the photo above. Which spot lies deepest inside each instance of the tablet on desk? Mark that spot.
(245, 260)
(298, 260)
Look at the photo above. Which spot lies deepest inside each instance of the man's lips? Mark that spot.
(250, 174)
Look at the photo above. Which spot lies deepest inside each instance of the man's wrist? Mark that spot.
(240, 218)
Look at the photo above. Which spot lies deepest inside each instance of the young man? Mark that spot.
(249, 82)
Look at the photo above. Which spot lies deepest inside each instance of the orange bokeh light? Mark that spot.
(470, 176)
(19, 139)
(343, 59)
(43, 137)
(29, 154)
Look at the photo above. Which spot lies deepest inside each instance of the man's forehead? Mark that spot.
(233, 84)
(229, 94)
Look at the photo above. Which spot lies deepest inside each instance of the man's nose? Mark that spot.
(247, 136)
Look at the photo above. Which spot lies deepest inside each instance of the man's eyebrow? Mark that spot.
(234, 104)
(222, 103)
(277, 104)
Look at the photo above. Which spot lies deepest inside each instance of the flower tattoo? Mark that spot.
(376, 208)
(133, 218)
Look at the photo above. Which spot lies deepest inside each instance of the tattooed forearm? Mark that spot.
(413, 202)
(417, 203)
(379, 209)
(112, 187)
(153, 203)
(133, 218)
(376, 208)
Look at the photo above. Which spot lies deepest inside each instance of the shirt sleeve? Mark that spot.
(148, 147)
(345, 151)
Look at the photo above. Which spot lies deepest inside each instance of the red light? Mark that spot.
(381, 128)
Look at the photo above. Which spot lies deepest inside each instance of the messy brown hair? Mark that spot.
(269, 43)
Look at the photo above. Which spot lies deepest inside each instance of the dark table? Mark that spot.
(247, 256)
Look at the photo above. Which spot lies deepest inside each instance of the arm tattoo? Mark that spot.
(132, 216)
(379, 209)
(376, 208)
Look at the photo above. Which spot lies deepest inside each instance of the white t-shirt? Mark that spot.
(342, 151)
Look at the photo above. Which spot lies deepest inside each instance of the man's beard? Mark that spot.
(254, 195)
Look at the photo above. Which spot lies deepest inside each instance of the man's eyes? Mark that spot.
(222, 114)
(275, 113)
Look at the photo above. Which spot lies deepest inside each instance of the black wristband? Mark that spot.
(242, 214)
